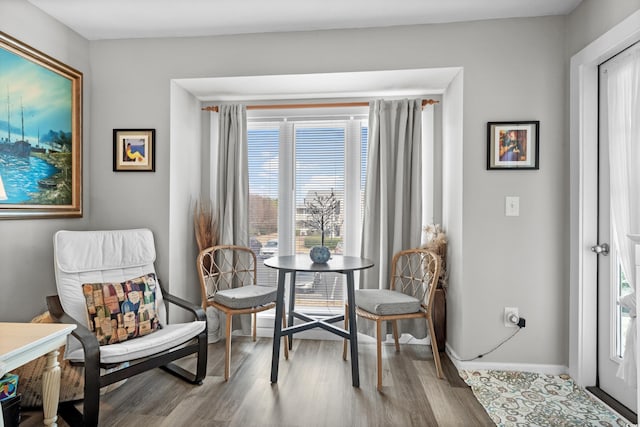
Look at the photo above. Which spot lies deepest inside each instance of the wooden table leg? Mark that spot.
(51, 389)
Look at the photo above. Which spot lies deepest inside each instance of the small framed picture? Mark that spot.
(513, 145)
(134, 150)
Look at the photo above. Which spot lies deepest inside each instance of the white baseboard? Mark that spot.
(265, 329)
(505, 366)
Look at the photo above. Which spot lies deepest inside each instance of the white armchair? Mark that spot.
(112, 258)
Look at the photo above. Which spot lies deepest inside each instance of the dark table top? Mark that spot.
(302, 262)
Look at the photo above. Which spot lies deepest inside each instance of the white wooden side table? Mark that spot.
(21, 343)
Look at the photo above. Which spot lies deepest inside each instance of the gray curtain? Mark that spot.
(232, 187)
(232, 183)
(393, 194)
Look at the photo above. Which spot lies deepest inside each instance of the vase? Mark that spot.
(319, 254)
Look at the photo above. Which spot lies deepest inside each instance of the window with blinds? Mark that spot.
(292, 165)
(263, 147)
(319, 179)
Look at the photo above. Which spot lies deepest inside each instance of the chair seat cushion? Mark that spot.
(246, 296)
(148, 345)
(386, 302)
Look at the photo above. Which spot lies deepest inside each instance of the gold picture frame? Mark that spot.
(40, 134)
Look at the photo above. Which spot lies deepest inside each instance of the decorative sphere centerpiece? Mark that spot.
(320, 254)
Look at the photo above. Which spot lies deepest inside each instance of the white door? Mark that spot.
(612, 319)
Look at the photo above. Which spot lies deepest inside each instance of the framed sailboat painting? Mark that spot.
(40, 134)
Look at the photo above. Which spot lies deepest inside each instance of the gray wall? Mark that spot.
(513, 70)
(514, 261)
(592, 18)
(26, 249)
(185, 189)
(502, 81)
(452, 205)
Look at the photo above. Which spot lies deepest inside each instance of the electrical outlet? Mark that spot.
(511, 317)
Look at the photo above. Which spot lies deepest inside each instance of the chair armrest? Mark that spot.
(197, 311)
(82, 333)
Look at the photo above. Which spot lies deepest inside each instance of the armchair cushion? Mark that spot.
(100, 257)
(81, 251)
(121, 311)
(386, 302)
(246, 296)
(114, 257)
(163, 339)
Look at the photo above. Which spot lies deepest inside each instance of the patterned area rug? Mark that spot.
(515, 399)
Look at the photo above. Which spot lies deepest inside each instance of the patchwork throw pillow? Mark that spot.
(122, 311)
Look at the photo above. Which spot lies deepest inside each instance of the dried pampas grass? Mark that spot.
(437, 242)
(205, 225)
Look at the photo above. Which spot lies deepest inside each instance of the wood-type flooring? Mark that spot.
(314, 389)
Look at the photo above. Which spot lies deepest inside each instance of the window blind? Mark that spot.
(318, 162)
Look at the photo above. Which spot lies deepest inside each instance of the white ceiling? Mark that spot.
(118, 19)
(122, 19)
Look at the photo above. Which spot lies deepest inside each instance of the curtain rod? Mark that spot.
(320, 105)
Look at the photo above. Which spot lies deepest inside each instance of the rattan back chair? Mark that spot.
(229, 283)
(414, 279)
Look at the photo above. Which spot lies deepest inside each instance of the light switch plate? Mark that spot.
(512, 206)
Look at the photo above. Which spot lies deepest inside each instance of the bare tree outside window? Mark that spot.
(323, 213)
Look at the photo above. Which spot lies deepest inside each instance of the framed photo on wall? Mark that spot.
(134, 150)
(513, 145)
(40, 134)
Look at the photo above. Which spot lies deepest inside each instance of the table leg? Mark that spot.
(277, 327)
(51, 389)
(292, 305)
(353, 330)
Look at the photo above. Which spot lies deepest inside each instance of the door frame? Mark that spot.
(583, 130)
